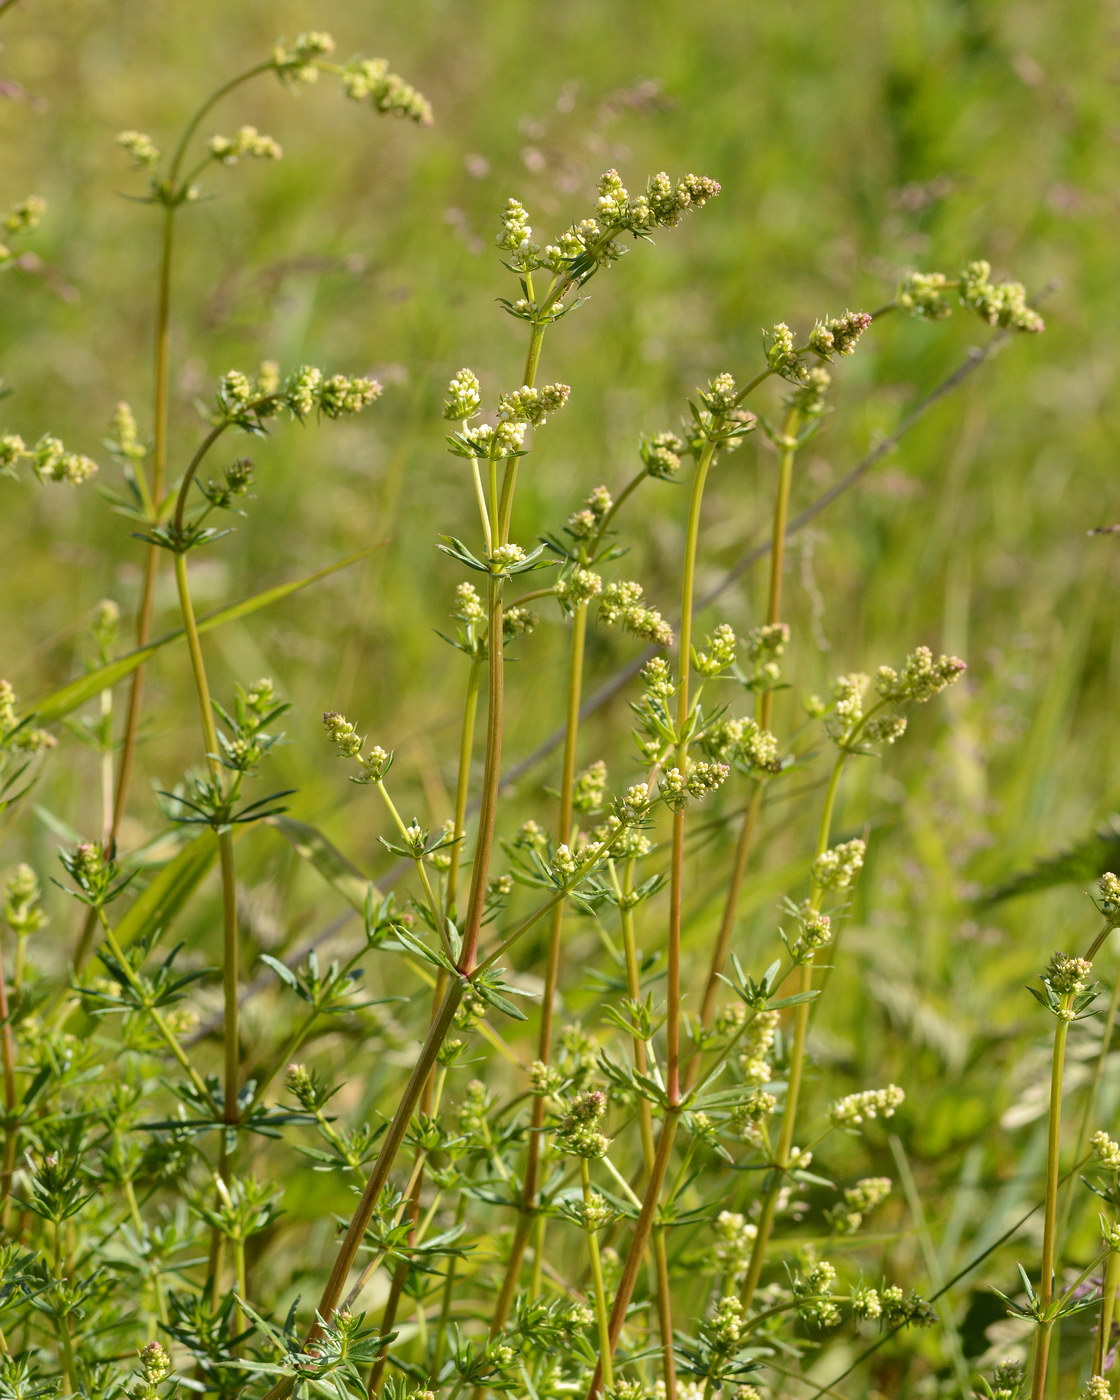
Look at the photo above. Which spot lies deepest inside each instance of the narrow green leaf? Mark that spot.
(338, 871)
(157, 907)
(68, 698)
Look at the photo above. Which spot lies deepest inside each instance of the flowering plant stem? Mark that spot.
(764, 713)
(1050, 1208)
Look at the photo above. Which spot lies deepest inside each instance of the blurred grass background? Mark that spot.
(850, 142)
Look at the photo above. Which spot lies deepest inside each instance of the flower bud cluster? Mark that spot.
(12, 735)
(812, 1292)
(22, 911)
(744, 743)
(518, 622)
(621, 603)
(19, 219)
(590, 243)
(1108, 897)
(854, 1109)
(657, 679)
(699, 780)
(859, 1199)
(50, 461)
(837, 868)
(662, 455)
(781, 353)
(718, 653)
(923, 676)
(1067, 975)
(369, 79)
(587, 521)
(527, 405)
(577, 587)
(342, 734)
(125, 441)
(748, 1117)
(143, 150)
(248, 142)
(245, 399)
(764, 646)
(296, 62)
(734, 1241)
(589, 794)
(468, 605)
(999, 303)
(809, 397)
(1106, 1152)
(905, 1309)
(816, 933)
(464, 396)
(839, 335)
(1097, 1388)
(154, 1367)
(577, 1132)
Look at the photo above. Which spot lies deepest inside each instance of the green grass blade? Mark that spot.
(156, 908)
(339, 872)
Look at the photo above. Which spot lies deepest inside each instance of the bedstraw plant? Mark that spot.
(542, 1126)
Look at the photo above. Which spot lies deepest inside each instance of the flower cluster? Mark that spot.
(813, 1294)
(297, 62)
(143, 150)
(816, 933)
(247, 400)
(744, 743)
(999, 303)
(14, 733)
(1108, 897)
(839, 335)
(718, 652)
(590, 790)
(923, 676)
(698, 780)
(22, 911)
(49, 458)
(19, 219)
(591, 243)
(342, 734)
(926, 296)
(248, 142)
(621, 603)
(859, 1199)
(854, 1109)
(369, 80)
(527, 405)
(756, 1046)
(1067, 975)
(836, 869)
(1106, 1152)
(588, 520)
(578, 587)
(577, 1131)
(464, 396)
(662, 455)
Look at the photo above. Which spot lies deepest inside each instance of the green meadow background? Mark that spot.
(851, 141)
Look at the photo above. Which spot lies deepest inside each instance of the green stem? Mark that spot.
(576, 649)
(11, 1130)
(764, 709)
(644, 1225)
(463, 784)
(1050, 1207)
(1109, 1287)
(597, 1279)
